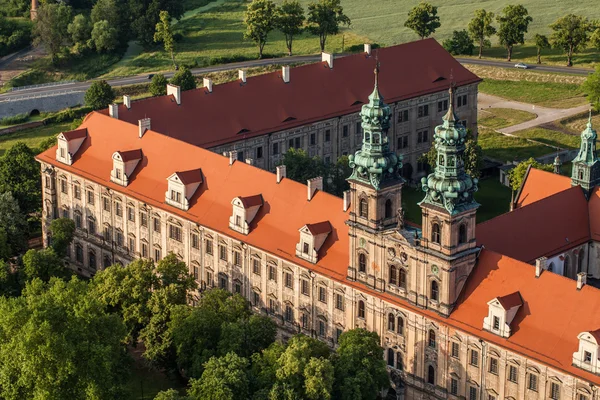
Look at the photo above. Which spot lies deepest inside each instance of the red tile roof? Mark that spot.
(596, 335)
(76, 134)
(252, 201)
(544, 228)
(539, 184)
(511, 300)
(319, 227)
(191, 176)
(315, 92)
(594, 210)
(130, 155)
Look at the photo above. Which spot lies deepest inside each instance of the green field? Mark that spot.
(550, 137)
(496, 118)
(506, 148)
(33, 136)
(547, 94)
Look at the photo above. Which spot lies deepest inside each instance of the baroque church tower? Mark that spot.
(448, 242)
(375, 191)
(586, 167)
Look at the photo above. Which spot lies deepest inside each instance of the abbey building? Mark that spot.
(458, 319)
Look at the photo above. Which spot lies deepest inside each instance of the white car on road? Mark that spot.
(521, 65)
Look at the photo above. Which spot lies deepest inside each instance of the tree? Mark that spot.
(360, 370)
(289, 19)
(591, 87)
(116, 12)
(264, 369)
(423, 19)
(20, 175)
(80, 31)
(459, 43)
(145, 14)
(99, 95)
(247, 336)
(184, 79)
(170, 394)
(50, 29)
(325, 18)
(336, 176)
(319, 377)
(224, 378)
(158, 85)
(164, 34)
(514, 23)
(481, 29)
(260, 20)
(13, 225)
(57, 342)
(62, 231)
(517, 174)
(541, 42)
(595, 37)
(104, 37)
(300, 167)
(570, 34)
(44, 265)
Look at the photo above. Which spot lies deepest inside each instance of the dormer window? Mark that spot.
(181, 188)
(176, 196)
(501, 312)
(312, 237)
(124, 163)
(118, 173)
(586, 357)
(244, 211)
(69, 144)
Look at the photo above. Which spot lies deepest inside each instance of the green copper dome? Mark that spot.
(449, 186)
(587, 149)
(374, 163)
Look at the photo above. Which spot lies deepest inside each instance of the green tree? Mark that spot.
(459, 43)
(247, 336)
(514, 23)
(46, 144)
(184, 79)
(99, 95)
(10, 285)
(50, 29)
(319, 377)
(164, 34)
(61, 231)
(325, 18)
(336, 176)
(20, 175)
(595, 37)
(423, 19)
(481, 29)
(58, 342)
(104, 37)
(360, 371)
(300, 167)
(116, 12)
(80, 31)
(289, 19)
(13, 225)
(44, 265)
(260, 21)
(224, 378)
(541, 42)
(264, 369)
(591, 87)
(170, 394)
(570, 33)
(145, 14)
(517, 174)
(158, 85)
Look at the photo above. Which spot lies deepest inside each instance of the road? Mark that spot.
(82, 86)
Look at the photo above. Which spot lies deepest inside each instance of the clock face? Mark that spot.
(435, 269)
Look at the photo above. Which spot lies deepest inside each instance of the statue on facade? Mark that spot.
(400, 218)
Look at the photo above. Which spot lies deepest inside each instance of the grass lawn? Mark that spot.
(492, 195)
(547, 94)
(578, 123)
(496, 118)
(506, 148)
(553, 138)
(32, 137)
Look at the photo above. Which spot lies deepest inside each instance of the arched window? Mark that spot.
(388, 208)
(399, 363)
(402, 278)
(581, 175)
(393, 278)
(431, 375)
(551, 267)
(400, 326)
(79, 253)
(436, 236)
(364, 208)
(431, 338)
(435, 291)
(462, 234)
(390, 357)
(92, 259)
(362, 262)
(566, 266)
(361, 309)
(580, 258)
(391, 322)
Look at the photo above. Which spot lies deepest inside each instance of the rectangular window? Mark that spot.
(455, 350)
(65, 213)
(512, 373)
(131, 244)
(532, 382)
(272, 306)
(453, 386)
(131, 214)
(493, 365)
(143, 219)
(322, 328)
(403, 116)
(275, 148)
(322, 294)
(472, 393)
(237, 259)
(78, 221)
(144, 250)
(496, 325)
(106, 233)
(255, 299)
(90, 197)
(118, 173)
(402, 142)
(237, 287)
(554, 391)
(305, 248)
(582, 397)
(474, 361)
(259, 152)
(272, 273)
(209, 246)
(62, 152)
(238, 220)
(195, 241)
(345, 131)
(298, 141)
(222, 252)
(176, 196)
(587, 357)
(209, 278)
(119, 238)
(304, 287)
(105, 204)
(327, 135)
(339, 301)
(288, 280)
(256, 266)
(240, 155)
(462, 100)
(442, 105)
(118, 209)
(358, 128)
(156, 255)
(313, 139)
(77, 192)
(175, 232)
(156, 224)
(304, 320)
(338, 333)
(423, 111)
(290, 143)
(63, 185)
(47, 182)
(289, 313)
(91, 226)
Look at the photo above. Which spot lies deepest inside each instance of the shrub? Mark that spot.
(158, 85)
(99, 95)
(15, 119)
(184, 79)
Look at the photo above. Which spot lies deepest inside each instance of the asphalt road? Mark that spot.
(82, 86)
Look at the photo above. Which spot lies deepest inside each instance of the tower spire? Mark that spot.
(586, 168)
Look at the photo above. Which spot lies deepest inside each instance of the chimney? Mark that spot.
(314, 184)
(207, 84)
(231, 157)
(242, 75)
(285, 73)
(327, 57)
(175, 91)
(281, 171)
(144, 125)
(368, 49)
(249, 161)
(127, 101)
(346, 200)
(540, 265)
(581, 280)
(113, 110)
